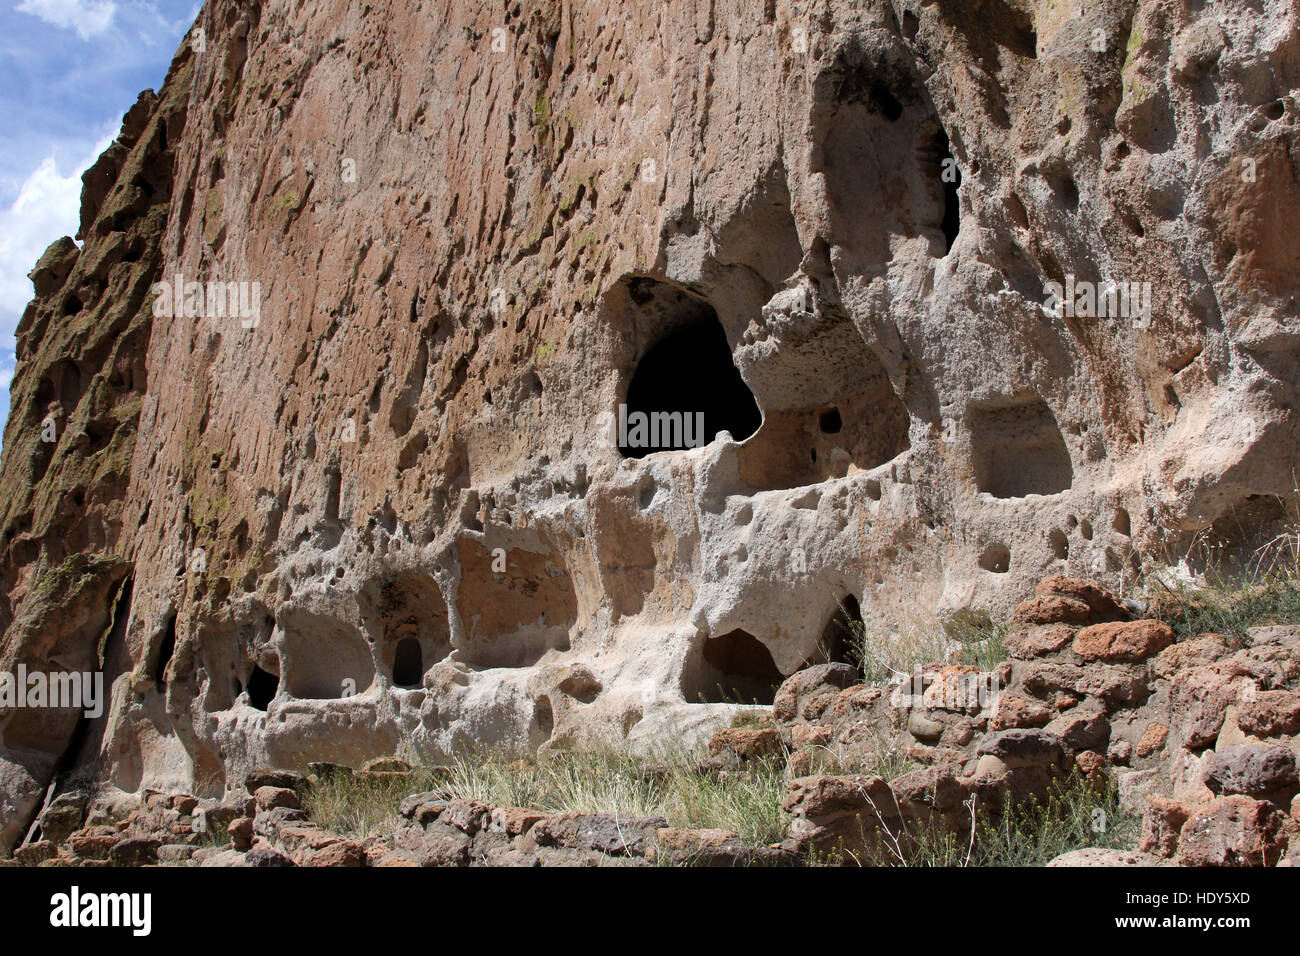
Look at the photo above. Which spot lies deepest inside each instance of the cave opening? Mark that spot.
(841, 639)
(408, 663)
(886, 103)
(166, 648)
(951, 176)
(685, 390)
(737, 669)
(262, 688)
(1018, 448)
(830, 422)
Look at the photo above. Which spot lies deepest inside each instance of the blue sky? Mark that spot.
(69, 69)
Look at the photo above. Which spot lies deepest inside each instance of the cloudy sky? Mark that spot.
(69, 69)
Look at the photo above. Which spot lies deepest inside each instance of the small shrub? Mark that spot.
(1074, 815)
(360, 805)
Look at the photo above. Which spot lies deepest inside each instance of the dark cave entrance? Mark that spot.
(737, 669)
(841, 640)
(408, 663)
(684, 391)
(262, 688)
(165, 651)
(951, 177)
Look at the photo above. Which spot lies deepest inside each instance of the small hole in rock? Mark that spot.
(1060, 544)
(840, 640)
(996, 558)
(830, 421)
(951, 224)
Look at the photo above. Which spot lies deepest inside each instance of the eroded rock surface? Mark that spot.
(390, 514)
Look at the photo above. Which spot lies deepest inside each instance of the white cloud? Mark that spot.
(88, 17)
(47, 206)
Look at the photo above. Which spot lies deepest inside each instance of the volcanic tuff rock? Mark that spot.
(391, 514)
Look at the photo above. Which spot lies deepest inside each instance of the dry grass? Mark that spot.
(1228, 581)
(747, 802)
(885, 655)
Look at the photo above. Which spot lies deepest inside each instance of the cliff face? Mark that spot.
(390, 509)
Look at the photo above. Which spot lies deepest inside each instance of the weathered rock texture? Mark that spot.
(471, 222)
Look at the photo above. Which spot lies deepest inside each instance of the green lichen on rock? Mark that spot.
(73, 575)
(541, 118)
(212, 209)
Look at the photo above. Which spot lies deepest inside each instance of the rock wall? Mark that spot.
(390, 511)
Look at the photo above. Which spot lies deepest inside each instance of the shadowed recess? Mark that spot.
(686, 379)
(733, 669)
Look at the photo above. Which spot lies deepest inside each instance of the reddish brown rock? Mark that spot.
(856, 700)
(1232, 831)
(513, 821)
(1270, 713)
(1162, 822)
(37, 852)
(922, 793)
(746, 743)
(1081, 728)
(134, 851)
(824, 797)
(1198, 652)
(340, 853)
(605, 833)
(269, 798)
(1153, 739)
(1051, 609)
(1255, 770)
(1089, 762)
(1199, 698)
(1103, 605)
(468, 816)
(92, 847)
(1028, 642)
(241, 833)
(807, 683)
(1123, 641)
(810, 735)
